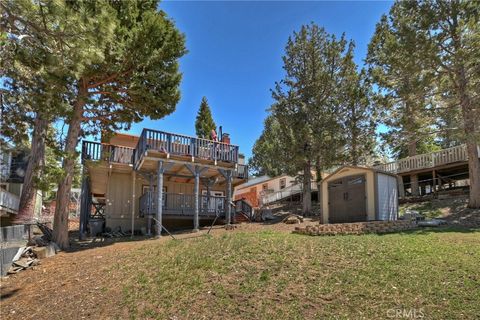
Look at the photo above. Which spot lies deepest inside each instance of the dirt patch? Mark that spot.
(81, 283)
(454, 210)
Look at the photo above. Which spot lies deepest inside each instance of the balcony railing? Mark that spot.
(182, 204)
(9, 201)
(241, 172)
(427, 160)
(176, 144)
(95, 151)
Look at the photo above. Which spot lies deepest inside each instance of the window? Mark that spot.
(335, 184)
(356, 180)
(283, 183)
(265, 186)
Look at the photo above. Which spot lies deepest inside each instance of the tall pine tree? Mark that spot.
(204, 123)
(358, 114)
(303, 131)
(119, 62)
(454, 36)
(397, 58)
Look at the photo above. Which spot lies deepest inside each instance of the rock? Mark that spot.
(292, 220)
(40, 252)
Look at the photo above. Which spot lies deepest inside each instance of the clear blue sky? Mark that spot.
(234, 57)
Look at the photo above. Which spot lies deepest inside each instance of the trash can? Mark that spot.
(96, 226)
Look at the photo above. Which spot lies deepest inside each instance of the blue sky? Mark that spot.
(234, 57)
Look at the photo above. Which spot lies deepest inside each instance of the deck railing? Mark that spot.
(241, 172)
(242, 206)
(9, 201)
(95, 151)
(181, 145)
(427, 160)
(289, 191)
(182, 204)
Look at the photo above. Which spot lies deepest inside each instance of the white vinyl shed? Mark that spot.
(354, 194)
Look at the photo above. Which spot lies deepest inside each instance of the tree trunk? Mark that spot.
(474, 175)
(35, 165)
(307, 189)
(412, 151)
(318, 170)
(60, 223)
(468, 114)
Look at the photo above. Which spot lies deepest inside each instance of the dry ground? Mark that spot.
(258, 271)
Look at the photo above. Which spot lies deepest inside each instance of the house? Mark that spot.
(264, 189)
(13, 164)
(354, 194)
(126, 177)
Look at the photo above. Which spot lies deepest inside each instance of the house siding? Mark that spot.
(119, 199)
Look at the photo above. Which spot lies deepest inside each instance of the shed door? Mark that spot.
(347, 199)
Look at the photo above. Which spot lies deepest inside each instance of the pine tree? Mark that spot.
(119, 62)
(33, 91)
(303, 130)
(204, 123)
(358, 114)
(454, 36)
(397, 59)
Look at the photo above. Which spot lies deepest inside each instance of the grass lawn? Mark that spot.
(275, 275)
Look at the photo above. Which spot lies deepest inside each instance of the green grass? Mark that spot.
(270, 275)
(427, 209)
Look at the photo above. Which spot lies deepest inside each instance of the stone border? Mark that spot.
(357, 228)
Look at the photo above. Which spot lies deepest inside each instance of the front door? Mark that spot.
(347, 199)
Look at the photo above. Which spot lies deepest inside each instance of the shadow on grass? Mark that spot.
(429, 230)
(98, 242)
(6, 294)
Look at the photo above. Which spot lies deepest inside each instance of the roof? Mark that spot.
(356, 167)
(254, 181)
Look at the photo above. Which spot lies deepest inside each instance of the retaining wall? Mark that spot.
(357, 228)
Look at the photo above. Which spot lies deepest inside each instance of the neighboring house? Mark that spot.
(123, 177)
(13, 164)
(265, 189)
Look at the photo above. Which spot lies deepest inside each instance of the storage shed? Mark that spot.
(353, 194)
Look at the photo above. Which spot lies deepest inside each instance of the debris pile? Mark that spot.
(24, 259)
(293, 219)
(38, 247)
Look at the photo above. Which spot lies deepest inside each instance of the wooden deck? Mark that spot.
(428, 161)
(158, 144)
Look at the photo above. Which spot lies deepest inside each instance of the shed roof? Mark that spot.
(356, 167)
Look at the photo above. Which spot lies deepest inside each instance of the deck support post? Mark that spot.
(401, 187)
(150, 205)
(228, 175)
(196, 192)
(196, 171)
(414, 185)
(133, 201)
(160, 170)
(85, 205)
(434, 183)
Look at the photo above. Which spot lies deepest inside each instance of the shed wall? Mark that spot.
(387, 197)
